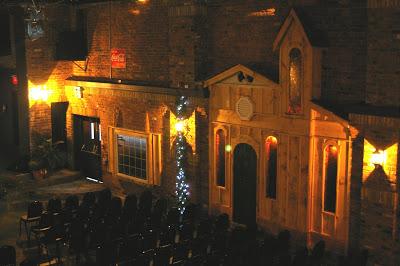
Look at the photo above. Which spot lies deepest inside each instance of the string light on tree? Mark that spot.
(182, 188)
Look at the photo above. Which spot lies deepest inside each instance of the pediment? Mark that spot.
(240, 75)
(296, 19)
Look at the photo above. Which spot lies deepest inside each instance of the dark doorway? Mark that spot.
(244, 185)
(87, 148)
(59, 124)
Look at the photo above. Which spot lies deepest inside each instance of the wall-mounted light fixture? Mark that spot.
(185, 126)
(179, 126)
(228, 148)
(39, 93)
(378, 158)
(78, 92)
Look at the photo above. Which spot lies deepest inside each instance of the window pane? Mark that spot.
(220, 157)
(132, 156)
(295, 81)
(331, 166)
(271, 152)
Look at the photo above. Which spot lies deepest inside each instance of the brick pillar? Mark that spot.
(21, 71)
(355, 193)
(187, 43)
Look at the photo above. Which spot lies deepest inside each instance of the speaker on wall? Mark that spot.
(5, 38)
(71, 45)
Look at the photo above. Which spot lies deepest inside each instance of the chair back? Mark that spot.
(130, 207)
(146, 202)
(173, 216)
(35, 209)
(161, 206)
(222, 224)
(72, 202)
(54, 205)
(46, 220)
(318, 253)
(115, 207)
(104, 197)
(130, 202)
(7, 255)
(89, 199)
(190, 212)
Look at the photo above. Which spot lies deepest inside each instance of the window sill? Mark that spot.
(134, 179)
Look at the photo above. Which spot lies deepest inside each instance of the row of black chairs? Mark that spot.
(106, 232)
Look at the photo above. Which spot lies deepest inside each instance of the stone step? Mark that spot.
(77, 187)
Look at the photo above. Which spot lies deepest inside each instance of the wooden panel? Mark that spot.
(222, 97)
(257, 98)
(340, 226)
(293, 176)
(317, 203)
(245, 91)
(329, 129)
(302, 213)
(282, 177)
(268, 101)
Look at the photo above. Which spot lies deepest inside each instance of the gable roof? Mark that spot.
(234, 70)
(297, 15)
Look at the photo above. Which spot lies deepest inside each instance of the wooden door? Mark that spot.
(244, 185)
(87, 140)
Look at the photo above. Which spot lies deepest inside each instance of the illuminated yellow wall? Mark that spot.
(389, 160)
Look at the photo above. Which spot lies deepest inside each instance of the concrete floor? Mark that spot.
(21, 190)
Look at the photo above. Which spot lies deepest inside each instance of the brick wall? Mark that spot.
(140, 29)
(141, 112)
(383, 70)
(374, 195)
(241, 32)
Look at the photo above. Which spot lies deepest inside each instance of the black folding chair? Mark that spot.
(7, 256)
(35, 210)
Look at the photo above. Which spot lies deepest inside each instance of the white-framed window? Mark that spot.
(132, 156)
(135, 155)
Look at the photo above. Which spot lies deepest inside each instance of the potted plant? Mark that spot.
(38, 169)
(46, 156)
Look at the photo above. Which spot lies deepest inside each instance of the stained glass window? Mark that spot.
(295, 81)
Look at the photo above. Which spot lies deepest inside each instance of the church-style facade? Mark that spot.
(277, 158)
(282, 159)
(293, 119)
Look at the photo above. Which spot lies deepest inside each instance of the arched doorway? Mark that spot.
(244, 185)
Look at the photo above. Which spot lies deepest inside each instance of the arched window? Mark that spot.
(295, 81)
(220, 157)
(330, 174)
(271, 165)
